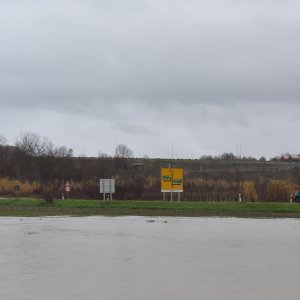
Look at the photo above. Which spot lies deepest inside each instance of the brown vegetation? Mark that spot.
(35, 167)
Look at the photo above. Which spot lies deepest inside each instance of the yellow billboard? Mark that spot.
(171, 180)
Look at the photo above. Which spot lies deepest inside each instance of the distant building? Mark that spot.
(289, 157)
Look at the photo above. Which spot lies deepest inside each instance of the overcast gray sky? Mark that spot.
(203, 75)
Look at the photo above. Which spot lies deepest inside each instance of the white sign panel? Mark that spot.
(107, 186)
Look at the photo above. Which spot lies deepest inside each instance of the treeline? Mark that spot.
(36, 167)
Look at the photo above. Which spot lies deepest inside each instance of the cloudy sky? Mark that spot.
(202, 75)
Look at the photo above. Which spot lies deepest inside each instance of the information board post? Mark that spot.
(172, 182)
(107, 186)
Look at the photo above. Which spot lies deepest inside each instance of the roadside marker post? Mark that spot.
(68, 189)
(240, 197)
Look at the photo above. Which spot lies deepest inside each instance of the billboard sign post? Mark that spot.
(107, 186)
(172, 181)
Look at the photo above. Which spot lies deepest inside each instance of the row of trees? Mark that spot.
(36, 158)
(230, 156)
(35, 145)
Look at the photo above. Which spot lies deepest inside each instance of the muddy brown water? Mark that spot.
(149, 258)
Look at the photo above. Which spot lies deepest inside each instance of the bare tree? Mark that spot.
(102, 154)
(35, 145)
(122, 151)
(63, 152)
(2, 140)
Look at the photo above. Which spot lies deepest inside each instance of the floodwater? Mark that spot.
(149, 258)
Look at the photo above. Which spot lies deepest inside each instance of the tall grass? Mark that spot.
(148, 188)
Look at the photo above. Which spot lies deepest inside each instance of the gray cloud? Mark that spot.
(206, 75)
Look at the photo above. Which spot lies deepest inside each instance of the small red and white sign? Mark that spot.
(68, 189)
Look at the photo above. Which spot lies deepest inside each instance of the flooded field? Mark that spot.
(149, 258)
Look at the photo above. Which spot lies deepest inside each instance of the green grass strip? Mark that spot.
(30, 206)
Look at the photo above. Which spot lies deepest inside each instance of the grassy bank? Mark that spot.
(37, 207)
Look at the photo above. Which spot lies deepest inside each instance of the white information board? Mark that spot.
(107, 186)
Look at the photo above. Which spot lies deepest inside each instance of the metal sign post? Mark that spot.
(17, 189)
(68, 189)
(107, 186)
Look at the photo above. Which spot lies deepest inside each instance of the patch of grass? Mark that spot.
(38, 207)
(20, 201)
